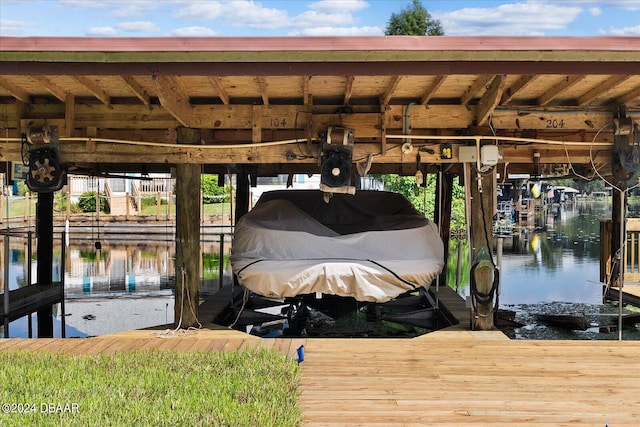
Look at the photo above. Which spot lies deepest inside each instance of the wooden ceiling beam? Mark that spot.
(490, 99)
(77, 152)
(432, 89)
(388, 93)
(348, 90)
(69, 114)
(480, 82)
(222, 93)
(15, 91)
(306, 95)
(173, 99)
(262, 83)
(138, 90)
(629, 96)
(567, 83)
(517, 87)
(53, 88)
(601, 89)
(94, 88)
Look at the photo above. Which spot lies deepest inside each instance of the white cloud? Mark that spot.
(508, 19)
(238, 13)
(102, 31)
(117, 8)
(339, 31)
(11, 27)
(612, 4)
(193, 32)
(338, 6)
(595, 11)
(624, 31)
(138, 26)
(311, 18)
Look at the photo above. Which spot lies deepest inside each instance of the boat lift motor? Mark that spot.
(40, 153)
(335, 161)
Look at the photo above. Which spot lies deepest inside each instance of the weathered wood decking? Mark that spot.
(444, 378)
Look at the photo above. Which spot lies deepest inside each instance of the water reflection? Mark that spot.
(122, 286)
(553, 267)
(549, 266)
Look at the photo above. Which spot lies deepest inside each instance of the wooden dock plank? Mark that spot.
(449, 378)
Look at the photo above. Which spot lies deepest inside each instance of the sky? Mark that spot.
(253, 18)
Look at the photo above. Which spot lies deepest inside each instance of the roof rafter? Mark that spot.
(15, 91)
(348, 90)
(431, 90)
(262, 82)
(629, 96)
(53, 88)
(94, 88)
(559, 89)
(222, 93)
(138, 90)
(490, 99)
(517, 87)
(481, 82)
(393, 84)
(306, 95)
(601, 88)
(173, 99)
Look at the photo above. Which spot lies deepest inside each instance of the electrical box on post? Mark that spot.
(467, 154)
(489, 155)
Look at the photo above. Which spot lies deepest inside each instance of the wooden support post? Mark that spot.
(242, 194)
(187, 268)
(27, 206)
(44, 229)
(67, 198)
(127, 206)
(617, 230)
(482, 237)
(159, 205)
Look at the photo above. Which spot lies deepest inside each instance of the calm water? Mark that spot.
(551, 266)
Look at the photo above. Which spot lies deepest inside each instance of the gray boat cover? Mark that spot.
(372, 246)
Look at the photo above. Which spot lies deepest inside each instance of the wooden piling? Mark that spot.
(187, 265)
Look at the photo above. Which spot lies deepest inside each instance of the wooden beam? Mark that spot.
(137, 89)
(431, 90)
(187, 265)
(480, 82)
(384, 111)
(53, 88)
(69, 114)
(600, 89)
(567, 83)
(388, 93)
(222, 93)
(173, 99)
(309, 126)
(262, 83)
(348, 90)
(482, 237)
(94, 88)
(517, 87)
(490, 99)
(15, 91)
(306, 96)
(629, 96)
(256, 124)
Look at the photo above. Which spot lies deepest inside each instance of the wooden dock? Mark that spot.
(449, 377)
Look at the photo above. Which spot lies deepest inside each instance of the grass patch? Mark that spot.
(257, 387)
(208, 209)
